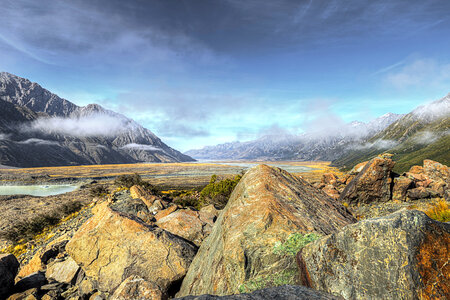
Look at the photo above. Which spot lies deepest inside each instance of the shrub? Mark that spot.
(218, 192)
(439, 211)
(98, 191)
(282, 278)
(294, 243)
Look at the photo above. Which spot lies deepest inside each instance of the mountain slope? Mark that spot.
(322, 145)
(422, 134)
(38, 128)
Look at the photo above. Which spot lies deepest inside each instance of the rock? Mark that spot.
(266, 207)
(401, 185)
(135, 287)
(418, 193)
(373, 183)
(165, 212)
(187, 224)
(111, 246)
(436, 171)
(35, 280)
(156, 206)
(329, 178)
(288, 292)
(31, 294)
(416, 170)
(42, 257)
(8, 271)
(85, 288)
(134, 207)
(438, 187)
(404, 255)
(331, 191)
(138, 192)
(62, 271)
(358, 168)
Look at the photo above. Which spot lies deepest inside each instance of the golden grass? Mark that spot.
(438, 211)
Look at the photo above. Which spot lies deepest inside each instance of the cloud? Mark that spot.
(378, 144)
(39, 142)
(434, 110)
(93, 125)
(429, 137)
(141, 147)
(419, 73)
(4, 136)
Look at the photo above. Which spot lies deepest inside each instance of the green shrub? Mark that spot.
(282, 278)
(218, 192)
(127, 181)
(294, 243)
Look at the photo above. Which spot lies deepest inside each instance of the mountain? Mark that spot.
(422, 134)
(38, 128)
(319, 145)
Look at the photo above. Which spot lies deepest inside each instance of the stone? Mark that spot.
(404, 255)
(416, 170)
(418, 193)
(112, 246)
(8, 271)
(62, 271)
(135, 287)
(439, 187)
(266, 207)
(329, 178)
(187, 224)
(31, 294)
(35, 280)
(436, 171)
(372, 184)
(358, 168)
(331, 191)
(156, 206)
(86, 287)
(138, 192)
(401, 185)
(288, 292)
(165, 212)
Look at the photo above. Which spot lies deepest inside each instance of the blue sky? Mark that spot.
(205, 72)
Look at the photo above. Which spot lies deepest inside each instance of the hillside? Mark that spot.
(423, 133)
(38, 128)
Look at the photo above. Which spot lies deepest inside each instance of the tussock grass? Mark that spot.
(439, 211)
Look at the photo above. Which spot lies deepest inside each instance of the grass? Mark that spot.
(439, 211)
(286, 250)
(26, 230)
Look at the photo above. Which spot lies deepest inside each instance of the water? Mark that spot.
(37, 190)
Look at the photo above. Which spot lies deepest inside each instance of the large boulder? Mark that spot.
(112, 246)
(373, 183)
(404, 255)
(265, 208)
(288, 292)
(436, 171)
(8, 271)
(188, 224)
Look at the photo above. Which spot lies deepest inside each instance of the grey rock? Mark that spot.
(8, 271)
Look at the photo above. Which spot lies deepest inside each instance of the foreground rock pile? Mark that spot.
(141, 246)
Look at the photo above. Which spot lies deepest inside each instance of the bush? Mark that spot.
(439, 211)
(218, 192)
(98, 191)
(127, 181)
(294, 243)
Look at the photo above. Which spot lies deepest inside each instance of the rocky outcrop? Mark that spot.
(372, 184)
(188, 224)
(401, 256)
(138, 192)
(290, 292)
(401, 186)
(266, 207)
(112, 246)
(135, 287)
(8, 271)
(436, 171)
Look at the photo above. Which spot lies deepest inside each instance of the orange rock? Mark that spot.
(358, 168)
(135, 287)
(165, 212)
(329, 178)
(416, 170)
(138, 192)
(401, 186)
(436, 171)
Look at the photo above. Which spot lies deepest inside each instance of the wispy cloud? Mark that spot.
(141, 147)
(39, 142)
(378, 144)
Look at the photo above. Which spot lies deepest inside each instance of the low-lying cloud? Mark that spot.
(39, 142)
(86, 126)
(141, 147)
(428, 137)
(378, 144)
(4, 136)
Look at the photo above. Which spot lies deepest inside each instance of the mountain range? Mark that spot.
(38, 128)
(420, 134)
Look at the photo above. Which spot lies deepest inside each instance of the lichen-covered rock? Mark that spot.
(8, 271)
(188, 224)
(373, 183)
(138, 192)
(288, 292)
(62, 271)
(404, 255)
(329, 178)
(418, 193)
(165, 212)
(436, 171)
(401, 186)
(135, 287)
(266, 207)
(331, 191)
(112, 246)
(358, 168)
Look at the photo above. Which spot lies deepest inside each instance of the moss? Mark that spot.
(294, 243)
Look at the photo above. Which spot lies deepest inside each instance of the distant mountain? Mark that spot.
(322, 145)
(422, 134)
(38, 128)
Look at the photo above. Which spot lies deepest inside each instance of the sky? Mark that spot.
(200, 73)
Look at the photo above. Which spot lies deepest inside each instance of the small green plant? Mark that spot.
(218, 192)
(294, 243)
(281, 278)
